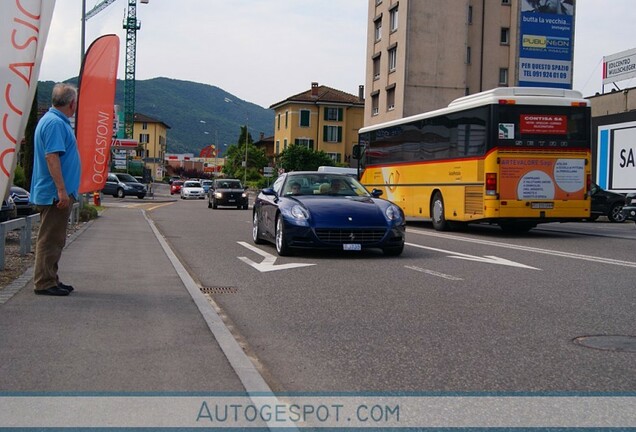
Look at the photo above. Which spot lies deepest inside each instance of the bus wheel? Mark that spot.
(437, 213)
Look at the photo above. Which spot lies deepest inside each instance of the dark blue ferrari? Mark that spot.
(315, 210)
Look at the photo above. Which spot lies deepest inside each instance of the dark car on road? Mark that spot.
(629, 209)
(121, 185)
(313, 210)
(606, 203)
(22, 200)
(227, 192)
(8, 210)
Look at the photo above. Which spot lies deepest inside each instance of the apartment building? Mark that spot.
(151, 135)
(422, 54)
(321, 118)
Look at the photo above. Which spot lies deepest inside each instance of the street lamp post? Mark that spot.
(246, 141)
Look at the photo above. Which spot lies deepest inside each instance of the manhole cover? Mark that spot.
(219, 290)
(608, 342)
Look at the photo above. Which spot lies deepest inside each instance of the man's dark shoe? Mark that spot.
(53, 291)
(68, 288)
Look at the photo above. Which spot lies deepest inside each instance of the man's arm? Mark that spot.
(55, 169)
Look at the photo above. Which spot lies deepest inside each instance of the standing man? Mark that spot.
(54, 187)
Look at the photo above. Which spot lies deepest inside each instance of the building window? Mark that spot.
(332, 134)
(285, 144)
(277, 151)
(470, 14)
(286, 118)
(393, 18)
(375, 102)
(144, 138)
(333, 114)
(505, 2)
(305, 115)
(376, 68)
(336, 157)
(392, 58)
(468, 55)
(505, 36)
(378, 28)
(278, 120)
(305, 142)
(503, 76)
(390, 99)
(144, 126)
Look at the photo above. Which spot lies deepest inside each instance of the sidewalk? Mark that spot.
(130, 325)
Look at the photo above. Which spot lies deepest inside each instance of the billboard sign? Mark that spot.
(546, 43)
(619, 67)
(616, 157)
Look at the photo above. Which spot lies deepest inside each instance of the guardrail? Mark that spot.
(25, 225)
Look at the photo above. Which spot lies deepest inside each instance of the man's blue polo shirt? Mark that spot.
(54, 134)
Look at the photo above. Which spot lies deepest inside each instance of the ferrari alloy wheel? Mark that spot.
(256, 232)
(281, 241)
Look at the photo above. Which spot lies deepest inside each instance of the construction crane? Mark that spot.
(131, 25)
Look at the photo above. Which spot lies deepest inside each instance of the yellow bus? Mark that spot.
(511, 156)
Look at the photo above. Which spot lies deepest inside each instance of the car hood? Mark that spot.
(344, 211)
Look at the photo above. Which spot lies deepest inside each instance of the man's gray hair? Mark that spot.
(63, 94)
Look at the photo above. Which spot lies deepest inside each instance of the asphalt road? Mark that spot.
(476, 310)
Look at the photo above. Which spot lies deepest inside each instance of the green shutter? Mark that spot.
(325, 130)
(339, 114)
(339, 133)
(326, 110)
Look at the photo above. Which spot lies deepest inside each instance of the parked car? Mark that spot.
(8, 210)
(606, 203)
(192, 189)
(121, 185)
(326, 211)
(175, 187)
(22, 200)
(629, 209)
(228, 192)
(206, 185)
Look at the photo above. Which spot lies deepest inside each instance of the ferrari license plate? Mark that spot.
(352, 246)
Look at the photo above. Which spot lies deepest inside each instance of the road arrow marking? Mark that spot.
(488, 259)
(434, 273)
(268, 263)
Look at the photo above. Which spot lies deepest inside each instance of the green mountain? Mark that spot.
(196, 113)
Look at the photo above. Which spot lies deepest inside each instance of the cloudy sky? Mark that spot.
(264, 51)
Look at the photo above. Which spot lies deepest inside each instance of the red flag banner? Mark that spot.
(95, 111)
(24, 27)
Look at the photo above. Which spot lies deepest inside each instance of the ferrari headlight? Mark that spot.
(393, 213)
(297, 214)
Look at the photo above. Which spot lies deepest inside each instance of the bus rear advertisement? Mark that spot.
(516, 157)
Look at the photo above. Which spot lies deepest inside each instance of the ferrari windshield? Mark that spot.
(322, 184)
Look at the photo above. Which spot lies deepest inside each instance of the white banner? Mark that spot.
(24, 27)
(340, 412)
(619, 67)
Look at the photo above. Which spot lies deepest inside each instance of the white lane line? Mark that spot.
(269, 261)
(487, 259)
(252, 380)
(527, 249)
(434, 273)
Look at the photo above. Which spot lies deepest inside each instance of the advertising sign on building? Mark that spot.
(546, 43)
(619, 67)
(616, 157)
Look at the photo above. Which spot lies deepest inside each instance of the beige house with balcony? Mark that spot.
(151, 134)
(321, 118)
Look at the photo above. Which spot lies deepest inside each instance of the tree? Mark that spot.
(300, 158)
(235, 156)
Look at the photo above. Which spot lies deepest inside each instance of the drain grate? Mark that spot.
(617, 343)
(219, 290)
